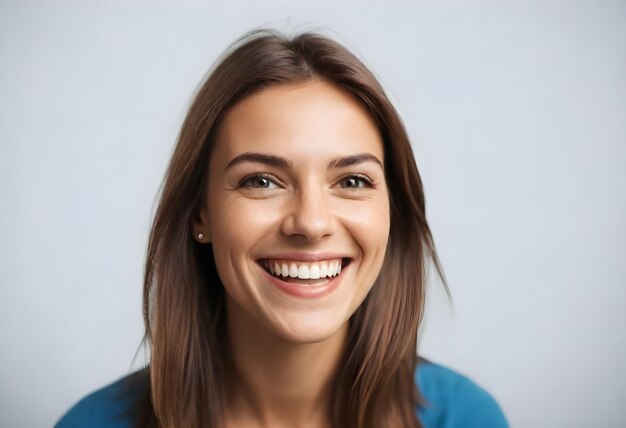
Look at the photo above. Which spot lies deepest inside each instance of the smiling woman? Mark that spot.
(285, 271)
(297, 188)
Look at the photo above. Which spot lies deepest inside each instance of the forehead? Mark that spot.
(313, 120)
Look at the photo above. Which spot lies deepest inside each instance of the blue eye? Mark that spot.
(258, 181)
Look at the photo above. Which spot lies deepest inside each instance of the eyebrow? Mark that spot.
(272, 160)
(281, 162)
(354, 160)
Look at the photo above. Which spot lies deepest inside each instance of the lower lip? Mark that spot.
(307, 291)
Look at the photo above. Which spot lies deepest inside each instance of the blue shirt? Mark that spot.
(452, 401)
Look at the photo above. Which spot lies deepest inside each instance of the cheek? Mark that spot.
(369, 225)
(237, 224)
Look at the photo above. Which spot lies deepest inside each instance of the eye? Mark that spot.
(258, 181)
(356, 181)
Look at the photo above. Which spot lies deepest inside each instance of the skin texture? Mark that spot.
(286, 348)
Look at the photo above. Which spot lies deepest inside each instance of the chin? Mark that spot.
(301, 332)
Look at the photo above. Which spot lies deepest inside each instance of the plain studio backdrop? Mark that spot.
(517, 114)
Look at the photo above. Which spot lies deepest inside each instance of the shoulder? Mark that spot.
(112, 406)
(452, 400)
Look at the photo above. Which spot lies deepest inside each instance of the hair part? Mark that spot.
(184, 300)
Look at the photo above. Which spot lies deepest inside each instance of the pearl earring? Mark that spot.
(200, 236)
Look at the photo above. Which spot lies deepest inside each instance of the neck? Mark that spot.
(275, 382)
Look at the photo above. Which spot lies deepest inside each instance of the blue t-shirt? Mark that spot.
(452, 401)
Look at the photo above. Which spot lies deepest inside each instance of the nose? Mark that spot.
(309, 214)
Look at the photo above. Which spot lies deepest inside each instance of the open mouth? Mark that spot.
(304, 273)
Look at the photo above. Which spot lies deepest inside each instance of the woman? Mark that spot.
(285, 273)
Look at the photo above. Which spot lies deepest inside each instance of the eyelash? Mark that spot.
(368, 181)
(254, 176)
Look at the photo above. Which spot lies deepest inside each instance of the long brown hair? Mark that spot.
(184, 300)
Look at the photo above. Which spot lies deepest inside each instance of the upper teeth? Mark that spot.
(303, 270)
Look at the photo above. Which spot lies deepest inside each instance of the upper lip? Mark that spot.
(297, 256)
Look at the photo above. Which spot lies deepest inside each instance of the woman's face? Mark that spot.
(298, 209)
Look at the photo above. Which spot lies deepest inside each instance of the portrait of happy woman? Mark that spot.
(286, 264)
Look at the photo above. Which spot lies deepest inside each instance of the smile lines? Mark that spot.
(303, 270)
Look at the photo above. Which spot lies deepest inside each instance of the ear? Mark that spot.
(200, 227)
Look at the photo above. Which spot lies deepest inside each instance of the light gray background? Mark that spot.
(517, 113)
